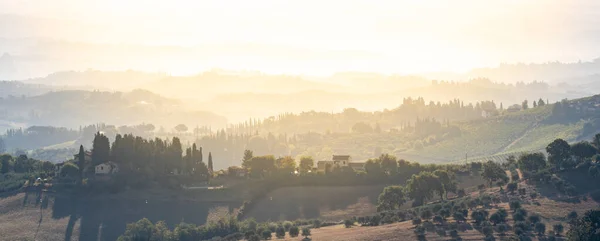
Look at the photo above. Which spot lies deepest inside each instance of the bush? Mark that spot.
(254, 237)
(294, 231)
(317, 223)
(426, 214)
(438, 219)
(266, 234)
(348, 223)
(459, 217)
(514, 205)
(479, 215)
(534, 218)
(453, 233)
(502, 228)
(287, 225)
(280, 232)
(558, 229)
(416, 221)
(430, 227)
(441, 232)
(522, 225)
(540, 228)
(487, 231)
(306, 232)
(512, 187)
(519, 217)
(522, 191)
(572, 215)
(375, 220)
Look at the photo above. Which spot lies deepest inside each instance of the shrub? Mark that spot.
(272, 227)
(558, 229)
(287, 225)
(441, 232)
(487, 231)
(306, 232)
(519, 217)
(430, 227)
(426, 214)
(317, 222)
(416, 221)
(479, 215)
(348, 223)
(280, 232)
(445, 212)
(453, 233)
(572, 215)
(294, 231)
(512, 187)
(438, 219)
(459, 217)
(502, 228)
(254, 238)
(524, 237)
(514, 205)
(375, 220)
(534, 218)
(266, 234)
(522, 225)
(540, 228)
(249, 234)
(461, 192)
(522, 191)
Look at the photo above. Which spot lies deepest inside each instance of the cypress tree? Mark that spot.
(81, 162)
(210, 163)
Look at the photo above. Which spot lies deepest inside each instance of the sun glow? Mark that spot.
(316, 37)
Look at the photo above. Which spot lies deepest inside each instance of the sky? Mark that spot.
(325, 36)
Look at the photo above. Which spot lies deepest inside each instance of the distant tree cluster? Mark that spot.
(227, 228)
(141, 160)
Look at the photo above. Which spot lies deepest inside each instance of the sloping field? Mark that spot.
(35, 216)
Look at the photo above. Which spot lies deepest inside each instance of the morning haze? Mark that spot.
(299, 120)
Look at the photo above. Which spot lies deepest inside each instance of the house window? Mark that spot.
(102, 168)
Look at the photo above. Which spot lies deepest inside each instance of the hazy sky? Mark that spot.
(386, 36)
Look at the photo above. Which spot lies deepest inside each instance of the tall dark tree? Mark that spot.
(596, 141)
(248, 154)
(559, 153)
(391, 198)
(6, 162)
(541, 102)
(210, 163)
(100, 149)
(586, 227)
(532, 161)
(492, 172)
(583, 150)
(2, 146)
(81, 162)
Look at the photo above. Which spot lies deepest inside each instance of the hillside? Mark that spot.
(75, 108)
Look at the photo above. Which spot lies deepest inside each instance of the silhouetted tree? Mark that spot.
(391, 198)
(100, 149)
(210, 162)
(81, 162)
(306, 164)
(559, 153)
(583, 150)
(2, 146)
(532, 161)
(181, 128)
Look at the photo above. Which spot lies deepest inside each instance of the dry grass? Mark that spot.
(27, 221)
